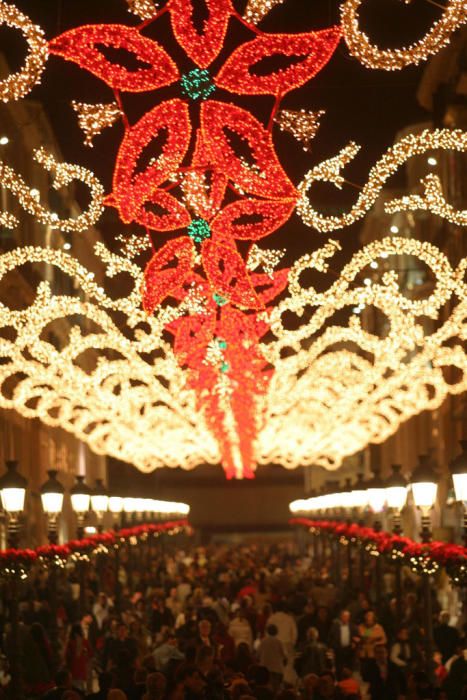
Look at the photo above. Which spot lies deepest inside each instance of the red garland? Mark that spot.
(19, 560)
(265, 196)
(451, 556)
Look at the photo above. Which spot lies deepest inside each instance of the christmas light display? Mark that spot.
(426, 558)
(454, 15)
(93, 118)
(20, 84)
(330, 171)
(302, 124)
(203, 366)
(145, 9)
(64, 174)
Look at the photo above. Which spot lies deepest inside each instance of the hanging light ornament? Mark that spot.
(94, 118)
(303, 125)
(144, 9)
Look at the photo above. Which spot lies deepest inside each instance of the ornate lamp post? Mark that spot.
(458, 469)
(116, 509)
(52, 493)
(376, 494)
(396, 496)
(424, 485)
(100, 505)
(99, 502)
(377, 500)
(347, 504)
(129, 510)
(80, 501)
(359, 505)
(13, 493)
(359, 498)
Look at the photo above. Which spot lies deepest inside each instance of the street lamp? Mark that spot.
(359, 496)
(99, 502)
(396, 496)
(52, 493)
(458, 469)
(129, 508)
(376, 494)
(80, 501)
(13, 492)
(424, 488)
(140, 508)
(116, 508)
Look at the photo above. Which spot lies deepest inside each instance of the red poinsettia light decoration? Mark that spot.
(146, 193)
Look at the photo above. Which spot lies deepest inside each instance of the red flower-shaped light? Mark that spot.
(229, 151)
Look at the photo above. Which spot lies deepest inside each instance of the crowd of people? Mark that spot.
(230, 623)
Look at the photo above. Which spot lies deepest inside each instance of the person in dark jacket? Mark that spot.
(313, 658)
(446, 637)
(383, 676)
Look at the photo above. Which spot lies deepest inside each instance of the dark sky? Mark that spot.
(364, 105)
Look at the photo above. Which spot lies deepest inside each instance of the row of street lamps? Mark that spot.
(13, 488)
(391, 493)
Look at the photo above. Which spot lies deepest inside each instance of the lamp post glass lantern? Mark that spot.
(13, 489)
(376, 494)
(458, 469)
(424, 488)
(13, 493)
(396, 496)
(80, 501)
(52, 493)
(100, 501)
(359, 495)
(115, 505)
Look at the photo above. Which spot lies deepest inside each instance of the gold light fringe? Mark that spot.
(337, 389)
(127, 406)
(19, 84)
(433, 201)
(267, 258)
(93, 118)
(330, 171)
(256, 10)
(302, 124)
(64, 174)
(145, 9)
(360, 46)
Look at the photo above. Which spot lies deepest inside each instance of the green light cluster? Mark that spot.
(219, 299)
(197, 84)
(199, 230)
